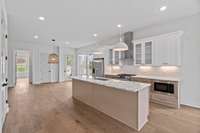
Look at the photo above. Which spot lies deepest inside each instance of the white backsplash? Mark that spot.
(164, 71)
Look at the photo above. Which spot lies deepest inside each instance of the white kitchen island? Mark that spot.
(125, 101)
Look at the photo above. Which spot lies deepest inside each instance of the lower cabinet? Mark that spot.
(167, 99)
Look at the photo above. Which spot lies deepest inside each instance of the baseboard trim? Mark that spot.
(11, 86)
(191, 106)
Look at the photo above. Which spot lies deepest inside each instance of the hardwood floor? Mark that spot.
(49, 108)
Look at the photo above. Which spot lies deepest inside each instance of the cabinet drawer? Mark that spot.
(164, 99)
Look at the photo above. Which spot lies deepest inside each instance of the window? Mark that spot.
(21, 65)
(85, 65)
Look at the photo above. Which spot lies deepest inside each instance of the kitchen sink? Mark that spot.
(101, 78)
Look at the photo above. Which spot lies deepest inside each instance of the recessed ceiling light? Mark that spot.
(67, 42)
(36, 36)
(119, 25)
(163, 8)
(95, 35)
(41, 18)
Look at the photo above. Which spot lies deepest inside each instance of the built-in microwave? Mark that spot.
(164, 87)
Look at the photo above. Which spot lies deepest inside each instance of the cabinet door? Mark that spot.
(111, 56)
(148, 52)
(167, 50)
(138, 53)
(45, 70)
(161, 51)
(174, 50)
(116, 57)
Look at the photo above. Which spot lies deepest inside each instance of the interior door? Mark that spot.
(3, 70)
(45, 71)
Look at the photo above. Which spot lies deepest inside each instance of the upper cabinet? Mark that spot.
(159, 50)
(143, 52)
(148, 52)
(138, 53)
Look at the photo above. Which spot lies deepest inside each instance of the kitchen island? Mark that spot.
(125, 101)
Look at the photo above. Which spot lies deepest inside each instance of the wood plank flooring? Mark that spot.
(49, 108)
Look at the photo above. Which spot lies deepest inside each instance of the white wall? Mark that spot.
(35, 50)
(189, 72)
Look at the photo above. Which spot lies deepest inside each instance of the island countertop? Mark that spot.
(131, 86)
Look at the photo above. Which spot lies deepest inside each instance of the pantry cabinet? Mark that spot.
(159, 50)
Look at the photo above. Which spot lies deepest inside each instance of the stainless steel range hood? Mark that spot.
(127, 56)
(123, 57)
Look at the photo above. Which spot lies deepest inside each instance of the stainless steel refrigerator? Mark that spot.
(98, 67)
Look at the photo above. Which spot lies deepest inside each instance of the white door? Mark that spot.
(3, 70)
(54, 72)
(45, 70)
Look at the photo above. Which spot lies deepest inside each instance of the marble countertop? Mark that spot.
(152, 77)
(117, 84)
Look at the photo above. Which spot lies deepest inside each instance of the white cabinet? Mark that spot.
(168, 49)
(159, 50)
(138, 53)
(143, 52)
(148, 52)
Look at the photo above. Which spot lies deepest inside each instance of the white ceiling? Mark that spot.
(77, 20)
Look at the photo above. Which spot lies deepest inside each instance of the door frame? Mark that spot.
(65, 56)
(30, 60)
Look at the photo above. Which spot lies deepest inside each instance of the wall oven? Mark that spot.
(164, 87)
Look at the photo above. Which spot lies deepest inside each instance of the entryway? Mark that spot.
(23, 65)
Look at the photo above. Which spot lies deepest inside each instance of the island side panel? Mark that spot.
(143, 107)
(82, 91)
(118, 104)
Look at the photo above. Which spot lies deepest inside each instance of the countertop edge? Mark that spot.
(142, 85)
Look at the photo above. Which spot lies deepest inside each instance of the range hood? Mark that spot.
(123, 57)
(127, 56)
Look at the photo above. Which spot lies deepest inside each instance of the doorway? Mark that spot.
(68, 67)
(23, 66)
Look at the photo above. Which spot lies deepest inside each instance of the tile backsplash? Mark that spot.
(165, 71)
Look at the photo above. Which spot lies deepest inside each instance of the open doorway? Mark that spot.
(22, 65)
(68, 67)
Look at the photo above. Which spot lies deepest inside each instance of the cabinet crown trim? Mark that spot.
(177, 33)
